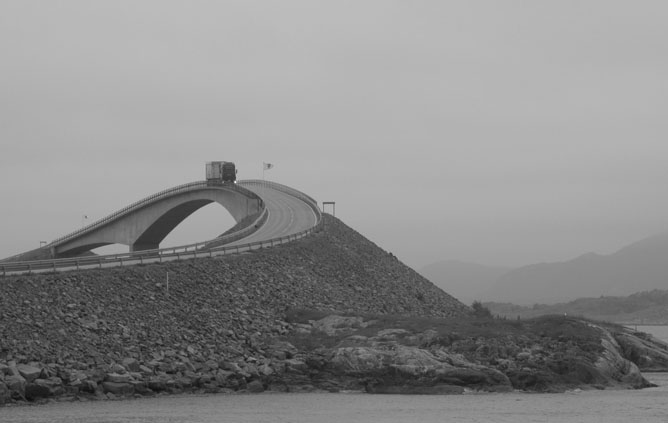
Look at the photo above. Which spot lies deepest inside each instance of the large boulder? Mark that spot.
(29, 373)
(648, 353)
(16, 385)
(159, 383)
(612, 364)
(255, 386)
(44, 388)
(117, 388)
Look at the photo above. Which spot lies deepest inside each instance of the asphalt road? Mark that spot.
(287, 215)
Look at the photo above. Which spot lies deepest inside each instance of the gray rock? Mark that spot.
(30, 373)
(74, 386)
(118, 378)
(89, 386)
(117, 388)
(158, 383)
(184, 382)
(116, 368)
(295, 365)
(266, 370)
(649, 353)
(44, 388)
(612, 364)
(131, 365)
(210, 365)
(282, 350)
(5, 394)
(140, 387)
(226, 379)
(16, 383)
(255, 386)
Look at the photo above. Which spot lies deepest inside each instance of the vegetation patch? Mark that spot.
(561, 328)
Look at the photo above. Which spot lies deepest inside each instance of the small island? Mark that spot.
(331, 312)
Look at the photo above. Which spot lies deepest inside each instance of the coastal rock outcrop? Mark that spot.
(552, 354)
(647, 352)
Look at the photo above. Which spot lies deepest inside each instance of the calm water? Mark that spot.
(647, 405)
(660, 332)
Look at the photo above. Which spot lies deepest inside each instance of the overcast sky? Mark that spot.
(497, 132)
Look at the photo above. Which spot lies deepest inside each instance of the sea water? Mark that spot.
(647, 405)
(658, 331)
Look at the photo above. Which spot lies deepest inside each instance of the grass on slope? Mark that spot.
(449, 330)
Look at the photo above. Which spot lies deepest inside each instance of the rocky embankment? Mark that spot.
(197, 324)
(309, 315)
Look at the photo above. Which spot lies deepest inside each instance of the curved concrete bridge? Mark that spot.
(277, 213)
(144, 224)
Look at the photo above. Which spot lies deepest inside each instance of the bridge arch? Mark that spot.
(147, 223)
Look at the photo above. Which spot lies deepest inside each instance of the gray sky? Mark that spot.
(498, 132)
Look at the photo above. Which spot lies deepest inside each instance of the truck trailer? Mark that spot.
(221, 172)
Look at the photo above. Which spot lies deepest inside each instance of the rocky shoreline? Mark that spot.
(343, 353)
(331, 312)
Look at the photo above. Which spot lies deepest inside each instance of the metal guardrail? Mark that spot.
(291, 191)
(198, 250)
(283, 188)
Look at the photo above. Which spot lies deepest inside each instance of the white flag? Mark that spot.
(268, 166)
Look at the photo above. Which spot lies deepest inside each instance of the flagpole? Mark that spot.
(265, 166)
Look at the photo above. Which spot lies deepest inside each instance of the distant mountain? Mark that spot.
(642, 266)
(465, 281)
(648, 307)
